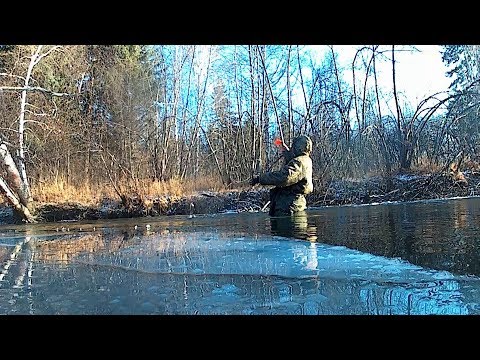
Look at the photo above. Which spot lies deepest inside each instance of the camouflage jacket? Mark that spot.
(293, 181)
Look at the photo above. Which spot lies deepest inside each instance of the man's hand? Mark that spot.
(255, 180)
(281, 145)
(284, 147)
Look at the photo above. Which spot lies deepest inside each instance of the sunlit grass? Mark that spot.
(60, 191)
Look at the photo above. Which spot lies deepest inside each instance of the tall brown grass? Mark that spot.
(58, 190)
(424, 165)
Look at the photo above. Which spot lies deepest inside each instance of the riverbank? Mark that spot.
(337, 192)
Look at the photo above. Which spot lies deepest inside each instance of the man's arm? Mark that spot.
(290, 174)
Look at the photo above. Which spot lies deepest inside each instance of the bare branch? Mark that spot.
(33, 88)
(36, 122)
(40, 57)
(11, 75)
(34, 113)
(8, 129)
(271, 93)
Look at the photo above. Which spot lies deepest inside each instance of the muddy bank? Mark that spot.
(372, 190)
(200, 203)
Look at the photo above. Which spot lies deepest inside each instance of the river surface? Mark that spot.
(390, 259)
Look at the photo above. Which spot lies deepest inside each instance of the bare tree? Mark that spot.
(19, 193)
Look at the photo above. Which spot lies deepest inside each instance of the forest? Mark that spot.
(86, 122)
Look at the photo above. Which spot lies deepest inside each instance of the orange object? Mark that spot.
(278, 142)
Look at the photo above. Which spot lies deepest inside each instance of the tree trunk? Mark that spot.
(21, 132)
(401, 133)
(18, 207)
(15, 192)
(13, 175)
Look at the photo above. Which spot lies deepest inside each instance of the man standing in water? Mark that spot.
(293, 181)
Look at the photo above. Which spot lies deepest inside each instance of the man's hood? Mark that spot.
(302, 145)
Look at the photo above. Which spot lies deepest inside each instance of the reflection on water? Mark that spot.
(416, 258)
(296, 226)
(443, 235)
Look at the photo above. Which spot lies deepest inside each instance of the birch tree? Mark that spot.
(15, 185)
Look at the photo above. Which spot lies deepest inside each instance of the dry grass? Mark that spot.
(60, 191)
(470, 164)
(425, 165)
(210, 183)
(176, 187)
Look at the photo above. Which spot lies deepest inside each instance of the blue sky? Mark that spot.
(419, 74)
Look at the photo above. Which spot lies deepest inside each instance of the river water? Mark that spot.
(403, 258)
